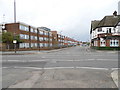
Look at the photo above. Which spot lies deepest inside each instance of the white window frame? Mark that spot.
(114, 43)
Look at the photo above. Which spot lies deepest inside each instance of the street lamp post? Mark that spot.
(14, 11)
(14, 41)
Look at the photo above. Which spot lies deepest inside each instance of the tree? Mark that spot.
(8, 37)
(17, 37)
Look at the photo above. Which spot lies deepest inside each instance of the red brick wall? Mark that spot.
(98, 43)
(13, 27)
(107, 43)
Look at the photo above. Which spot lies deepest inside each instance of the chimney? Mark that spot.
(115, 13)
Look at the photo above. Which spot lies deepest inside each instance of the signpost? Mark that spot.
(14, 42)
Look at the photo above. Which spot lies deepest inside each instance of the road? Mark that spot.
(75, 67)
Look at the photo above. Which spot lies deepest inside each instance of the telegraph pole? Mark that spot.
(14, 41)
(14, 11)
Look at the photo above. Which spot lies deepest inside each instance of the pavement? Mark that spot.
(27, 52)
(115, 76)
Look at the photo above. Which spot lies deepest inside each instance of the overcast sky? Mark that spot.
(70, 17)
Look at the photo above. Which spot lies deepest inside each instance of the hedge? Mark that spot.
(106, 48)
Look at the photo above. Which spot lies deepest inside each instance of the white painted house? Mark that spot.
(106, 32)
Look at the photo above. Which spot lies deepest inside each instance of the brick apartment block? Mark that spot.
(38, 38)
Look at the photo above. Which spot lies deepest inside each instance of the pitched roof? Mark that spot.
(109, 21)
(94, 24)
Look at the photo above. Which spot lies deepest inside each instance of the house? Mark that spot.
(106, 32)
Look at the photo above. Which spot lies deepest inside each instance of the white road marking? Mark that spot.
(115, 68)
(4, 67)
(93, 68)
(45, 68)
(24, 60)
(37, 68)
(59, 60)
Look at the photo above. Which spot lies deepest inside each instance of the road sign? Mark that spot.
(14, 41)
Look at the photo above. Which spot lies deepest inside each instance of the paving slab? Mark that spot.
(115, 76)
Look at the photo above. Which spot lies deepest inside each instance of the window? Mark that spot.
(26, 36)
(102, 43)
(24, 45)
(32, 30)
(35, 37)
(22, 36)
(46, 33)
(117, 43)
(99, 29)
(108, 30)
(41, 38)
(32, 44)
(41, 45)
(50, 44)
(41, 32)
(59, 36)
(45, 38)
(50, 39)
(110, 43)
(46, 45)
(25, 28)
(21, 45)
(96, 43)
(32, 37)
(35, 30)
(50, 34)
(35, 44)
(59, 40)
(114, 43)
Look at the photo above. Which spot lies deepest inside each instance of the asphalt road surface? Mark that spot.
(75, 67)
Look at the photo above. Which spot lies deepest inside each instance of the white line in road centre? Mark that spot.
(24, 60)
(93, 68)
(36, 68)
(46, 67)
(59, 60)
(115, 68)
